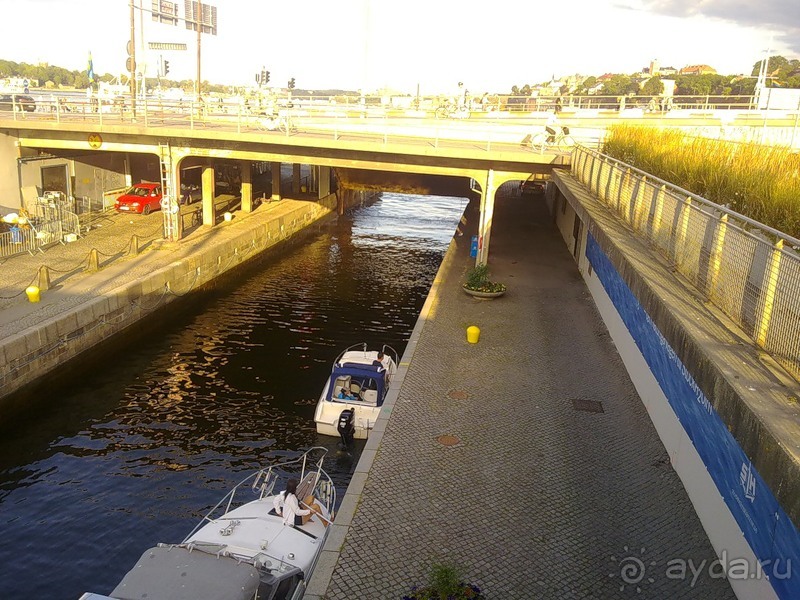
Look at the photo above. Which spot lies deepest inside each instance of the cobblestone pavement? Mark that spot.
(537, 499)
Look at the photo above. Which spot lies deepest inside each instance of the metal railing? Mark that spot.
(496, 119)
(748, 270)
(46, 226)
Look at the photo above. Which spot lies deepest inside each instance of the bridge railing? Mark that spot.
(746, 269)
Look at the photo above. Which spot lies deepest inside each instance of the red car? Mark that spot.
(141, 198)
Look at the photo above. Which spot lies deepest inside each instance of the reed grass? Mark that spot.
(760, 182)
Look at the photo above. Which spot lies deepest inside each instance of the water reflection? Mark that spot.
(133, 453)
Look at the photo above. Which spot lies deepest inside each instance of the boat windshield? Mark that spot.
(351, 382)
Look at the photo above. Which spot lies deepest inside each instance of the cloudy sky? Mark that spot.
(352, 44)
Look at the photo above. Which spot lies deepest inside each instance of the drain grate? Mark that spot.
(458, 395)
(592, 406)
(448, 440)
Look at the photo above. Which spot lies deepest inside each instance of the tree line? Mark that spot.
(781, 72)
(55, 77)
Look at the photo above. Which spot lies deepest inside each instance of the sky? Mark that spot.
(409, 45)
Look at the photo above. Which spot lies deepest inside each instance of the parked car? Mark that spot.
(141, 198)
(17, 102)
(532, 187)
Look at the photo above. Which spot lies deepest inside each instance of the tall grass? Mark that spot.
(761, 182)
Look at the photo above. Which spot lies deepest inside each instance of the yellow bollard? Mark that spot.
(473, 334)
(33, 293)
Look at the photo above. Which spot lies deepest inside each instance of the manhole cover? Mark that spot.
(587, 405)
(458, 395)
(448, 440)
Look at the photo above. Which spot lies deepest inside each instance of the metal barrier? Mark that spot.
(49, 226)
(748, 270)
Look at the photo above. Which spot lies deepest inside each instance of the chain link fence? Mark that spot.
(748, 270)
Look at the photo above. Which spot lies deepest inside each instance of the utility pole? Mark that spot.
(198, 21)
(132, 58)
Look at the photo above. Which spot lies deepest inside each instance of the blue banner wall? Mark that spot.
(766, 527)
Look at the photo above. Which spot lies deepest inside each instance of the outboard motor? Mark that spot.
(346, 426)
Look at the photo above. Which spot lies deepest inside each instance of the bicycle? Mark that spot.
(452, 111)
(550, 138)
(280, 121)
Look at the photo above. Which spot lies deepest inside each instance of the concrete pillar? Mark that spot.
(296, 179)
(485, 221)
(246, 172)
(276, 181)
(209, 211)
(324, 182)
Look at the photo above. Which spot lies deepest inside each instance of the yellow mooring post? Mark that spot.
(473, 334)
(33, 293)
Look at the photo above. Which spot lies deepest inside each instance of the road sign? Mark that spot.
(130, 64)
(95, 141)
(166, 46)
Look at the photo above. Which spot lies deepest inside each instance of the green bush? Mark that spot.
(478, 280)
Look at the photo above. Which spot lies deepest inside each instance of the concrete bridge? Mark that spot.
(713, 354)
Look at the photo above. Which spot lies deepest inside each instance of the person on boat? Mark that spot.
(381, 361)
(287, 506)
(345, 395)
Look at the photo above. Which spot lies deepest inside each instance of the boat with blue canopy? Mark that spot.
(355, 391)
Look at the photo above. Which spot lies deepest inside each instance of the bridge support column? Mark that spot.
(296, 178)
(323, 182)
(276, 181)
(246, 173)
(485, 221)
(209, 210)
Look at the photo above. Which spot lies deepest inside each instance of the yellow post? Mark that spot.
(94, 260)
(33, 293)
(44, 278)
(683, 228)
(473, 334)
(659, 210)
(769, 294)
(716, 253)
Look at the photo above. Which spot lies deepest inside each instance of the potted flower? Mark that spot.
(479, 285)
(445, 582)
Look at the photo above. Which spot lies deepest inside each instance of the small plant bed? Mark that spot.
(446, 582)
(479, 284)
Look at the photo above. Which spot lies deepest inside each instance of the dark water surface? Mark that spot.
(134, 452)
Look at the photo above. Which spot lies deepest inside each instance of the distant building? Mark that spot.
(698, 70)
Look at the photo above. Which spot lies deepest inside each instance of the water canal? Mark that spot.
(133, 450)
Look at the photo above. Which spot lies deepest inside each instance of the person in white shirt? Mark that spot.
(287, 506)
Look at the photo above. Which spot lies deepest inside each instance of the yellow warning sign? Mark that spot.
(95, 141)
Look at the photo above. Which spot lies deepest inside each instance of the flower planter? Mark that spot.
(477, 294)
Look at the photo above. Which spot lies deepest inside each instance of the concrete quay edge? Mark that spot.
(99, 305)
(323, 572)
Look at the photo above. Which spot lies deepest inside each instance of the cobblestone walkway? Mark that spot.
(537, 499)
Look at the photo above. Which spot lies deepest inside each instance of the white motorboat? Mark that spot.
(354, 393)
(241, 550)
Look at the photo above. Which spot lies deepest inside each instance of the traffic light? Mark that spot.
(266, 76)
(263, 75)
(291, 83)
(166, 67)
